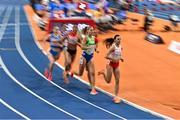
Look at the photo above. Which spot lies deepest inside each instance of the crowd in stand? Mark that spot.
(105, 13)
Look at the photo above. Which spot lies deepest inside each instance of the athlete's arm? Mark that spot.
(96, 49)
(59, 42)
(63, 38)
(46, 39)
(79, 43)
(60, 45)
(110, 50)
(121, 57)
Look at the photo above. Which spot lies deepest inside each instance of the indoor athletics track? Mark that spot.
(26, 93)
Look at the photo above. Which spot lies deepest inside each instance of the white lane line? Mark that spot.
(17, 42)
(126, 101)
(8, 49)
(9, 31)
(8, 34)
(34, 94)
(5, 21)
(1, 10)
(105, 92)
(13, 24)
(6, 38)
(17, 33)
(13, 109)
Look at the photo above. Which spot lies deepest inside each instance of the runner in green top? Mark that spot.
(89, 45)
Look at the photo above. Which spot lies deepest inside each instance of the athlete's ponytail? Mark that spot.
(109, 41)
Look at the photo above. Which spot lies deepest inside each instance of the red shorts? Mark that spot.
(114, 65)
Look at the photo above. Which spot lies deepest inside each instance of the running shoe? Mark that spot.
(46, 73)
(93, 92)
(116, 100)
(65, 77)
(50, 77)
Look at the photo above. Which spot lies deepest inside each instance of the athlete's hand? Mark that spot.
(96, 50)
(122, 60)
(107, 57)
(80, 45)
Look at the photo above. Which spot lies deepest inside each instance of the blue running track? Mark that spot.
(26, 93)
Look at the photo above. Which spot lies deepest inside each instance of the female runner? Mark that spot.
(73, 39)
(56, 47)
(88, 46)
(113, 55)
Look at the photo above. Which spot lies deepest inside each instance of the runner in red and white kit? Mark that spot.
(73, 39)
(114, 54)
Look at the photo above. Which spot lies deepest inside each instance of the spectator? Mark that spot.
(102, 4)
(33, 3)
(56, 9)
(42, 13)
(174, 19)
(42, 8)
(148, 20)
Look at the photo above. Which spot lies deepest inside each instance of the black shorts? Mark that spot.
(71, 52)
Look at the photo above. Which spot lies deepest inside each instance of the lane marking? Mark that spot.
(100, 89)
(13, 24)
(124, 100)
(2, 9)
(17, 42)
(14, 110)
(5, 21)
(5, 38)
(10, 30)
(9, 33)
(28, 90)
(17, 33)
(8, 49)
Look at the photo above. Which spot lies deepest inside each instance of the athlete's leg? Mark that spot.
(68, 61)
(116, 90)
(91, 71)
(48, 71)
(107, 73)
(67, 66)
(81, 67)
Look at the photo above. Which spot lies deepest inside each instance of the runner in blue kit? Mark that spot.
(56, 47)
